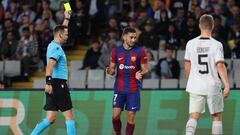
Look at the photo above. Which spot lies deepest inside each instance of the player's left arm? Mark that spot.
(144, 66)
(144, 69)
(221, 68)
(223, 74)
(142, 72)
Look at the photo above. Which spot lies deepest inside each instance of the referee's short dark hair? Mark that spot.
(59, 29)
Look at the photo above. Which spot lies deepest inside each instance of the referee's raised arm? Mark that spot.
(67, 15)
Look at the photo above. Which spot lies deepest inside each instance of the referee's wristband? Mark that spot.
(49, 80)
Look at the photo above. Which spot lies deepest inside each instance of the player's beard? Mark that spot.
(130, 44)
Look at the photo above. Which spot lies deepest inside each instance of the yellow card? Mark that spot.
(67, 6)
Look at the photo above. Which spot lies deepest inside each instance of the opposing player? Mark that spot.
(203, 62)
(130, 64)
(56, 89)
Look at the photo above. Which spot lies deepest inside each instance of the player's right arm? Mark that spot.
(187, 66)
(187, 62)
(111, 69)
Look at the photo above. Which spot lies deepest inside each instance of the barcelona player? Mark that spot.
(130, 63)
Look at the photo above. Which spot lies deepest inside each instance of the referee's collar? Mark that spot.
(56, 42)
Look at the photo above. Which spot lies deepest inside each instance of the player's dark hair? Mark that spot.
(128, 30)
(59, 29)
(206, 21)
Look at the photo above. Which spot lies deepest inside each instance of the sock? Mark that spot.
(130, 129)
(191, 126)
(70, 124)
(217, 128)
(117, 125)
(40, 127)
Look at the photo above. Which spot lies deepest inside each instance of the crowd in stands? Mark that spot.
(162, 25)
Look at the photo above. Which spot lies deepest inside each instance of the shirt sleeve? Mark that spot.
(55, 53)
(219, 57)
(143, 57)
(113, 56)
(187, 55)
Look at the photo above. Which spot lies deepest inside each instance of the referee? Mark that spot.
(56, 89)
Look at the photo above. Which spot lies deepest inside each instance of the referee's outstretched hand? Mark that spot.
(48, 89)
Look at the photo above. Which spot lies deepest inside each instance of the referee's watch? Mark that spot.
(49, 80)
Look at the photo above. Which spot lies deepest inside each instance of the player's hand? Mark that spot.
(108, 70)
(48, 89)
(226, 92)
(138, 75)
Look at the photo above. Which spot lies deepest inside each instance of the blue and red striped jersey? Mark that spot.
(128, 62)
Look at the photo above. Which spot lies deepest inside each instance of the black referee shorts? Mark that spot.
(60, 99)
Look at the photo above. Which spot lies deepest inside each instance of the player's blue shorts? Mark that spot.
(131, 101)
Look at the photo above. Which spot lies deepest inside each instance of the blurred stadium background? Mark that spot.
(95, 27)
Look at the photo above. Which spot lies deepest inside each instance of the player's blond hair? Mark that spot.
(206, 22)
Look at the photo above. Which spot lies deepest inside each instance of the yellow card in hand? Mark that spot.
(67, 6)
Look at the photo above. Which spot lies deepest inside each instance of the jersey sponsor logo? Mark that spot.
(122, 66)
(133, 59)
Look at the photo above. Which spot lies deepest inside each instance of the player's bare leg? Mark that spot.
(130, 122)
(116, 121)
(45, 123)
(70, 124)
(217, 124)
(192, 123)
